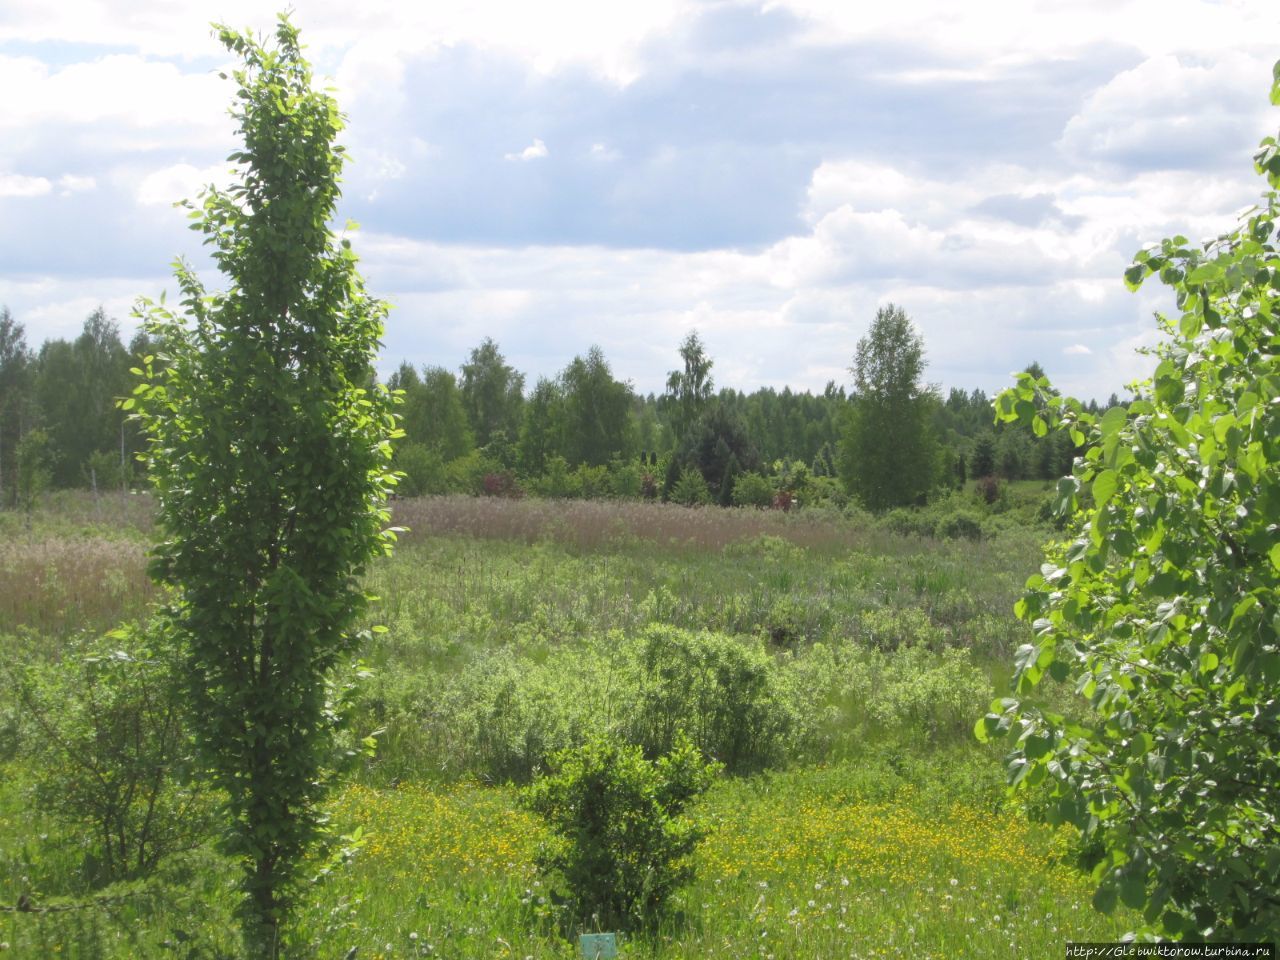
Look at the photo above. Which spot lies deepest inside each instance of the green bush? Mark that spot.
(889, 628)
(107, 736)
(722, 690)
(926, 695)
(691, 489)
(1160, 606)
(626, 479)
(623, 840)
(960, 526)
(466, 474)
(593, 483)
(504, 716)
(557, 481)
(752, 490)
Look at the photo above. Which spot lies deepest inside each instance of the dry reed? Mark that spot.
(58, 585)
(596, 523)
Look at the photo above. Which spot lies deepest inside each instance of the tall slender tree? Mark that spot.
(889, 456)
(597, 410)
(270, 457)
(690, 389)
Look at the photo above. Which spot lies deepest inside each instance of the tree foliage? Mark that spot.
(270, 461)
(596, 411)
(889, 456)
(689, 390)
(1161, 608)
(492, 394)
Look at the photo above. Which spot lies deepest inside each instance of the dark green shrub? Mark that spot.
(722, 690)
(890, 628)
(622, 838)
(557, 481)
(907, 521)
(960, 526)
(691, 489)
(752, 490)
(626, 479)
(593, 483)
(921, 694)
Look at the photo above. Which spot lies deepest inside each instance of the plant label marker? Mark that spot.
(598, 946)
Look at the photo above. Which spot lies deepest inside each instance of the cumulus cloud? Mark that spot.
(17, 185)
(535, 151)
(69, 183)
(1173, 112)
(768, 173)
(120, 89)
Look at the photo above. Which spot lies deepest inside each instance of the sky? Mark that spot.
(570, 172)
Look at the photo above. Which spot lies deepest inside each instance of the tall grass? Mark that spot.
(57, 585)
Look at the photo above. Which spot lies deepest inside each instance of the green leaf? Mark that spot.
(1112, 421)
(1104, 486)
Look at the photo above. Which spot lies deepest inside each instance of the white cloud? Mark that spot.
(69, 184)
(181, 181)
(606, 37)
(1002, 249)
(1173, 111)
(535, 151)
(17, 185)
(1009, 33)
(122, 90)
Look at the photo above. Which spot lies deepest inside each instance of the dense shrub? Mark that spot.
(722, 690)
(557, 481)
(988, 489)
(423, 471)
(891, 628)
(752, 490)
(623, 840)
(960, 526)
(929, 696)
(502, 484)
(626, 479)
(690, 489)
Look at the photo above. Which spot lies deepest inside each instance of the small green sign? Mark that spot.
(598, 946)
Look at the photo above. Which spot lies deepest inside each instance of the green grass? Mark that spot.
(883, 831)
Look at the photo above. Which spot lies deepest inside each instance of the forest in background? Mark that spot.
(483, 430)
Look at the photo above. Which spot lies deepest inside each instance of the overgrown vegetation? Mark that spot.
(835, 664)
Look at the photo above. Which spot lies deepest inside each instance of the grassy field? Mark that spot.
(857, 820)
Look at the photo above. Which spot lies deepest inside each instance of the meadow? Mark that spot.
(835, 664)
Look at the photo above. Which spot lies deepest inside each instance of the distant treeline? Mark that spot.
(484, 430)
